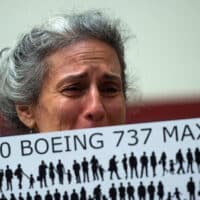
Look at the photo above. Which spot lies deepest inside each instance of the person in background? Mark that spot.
(67, 73)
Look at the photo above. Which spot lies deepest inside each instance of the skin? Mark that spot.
(82, 89)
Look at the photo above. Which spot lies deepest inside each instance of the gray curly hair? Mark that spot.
(22, 67)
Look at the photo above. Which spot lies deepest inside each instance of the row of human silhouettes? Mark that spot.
(120, 192)
(129, 167)
(82, 171)
(52, 171)
(180, 164)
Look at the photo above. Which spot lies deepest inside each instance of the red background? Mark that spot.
(150, 111)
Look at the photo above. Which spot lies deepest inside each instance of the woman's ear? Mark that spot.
(26, 115)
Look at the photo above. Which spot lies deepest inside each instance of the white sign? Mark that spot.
(142, 161)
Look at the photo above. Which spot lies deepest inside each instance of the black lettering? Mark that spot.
(198, 126)
(120, 137)
(41, 146)
(82, 143)
(55, 143)
(148, 130)
(67, 143)
(170, 133)
(5, 150)
(133, 136)
(187, 132)
(26, 148)
(100, 142)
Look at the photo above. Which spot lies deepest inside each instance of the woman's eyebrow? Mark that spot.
(71, 77)
(79, 76)
(112, 76)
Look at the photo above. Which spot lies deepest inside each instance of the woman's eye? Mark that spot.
(110, 90)
(73, 90)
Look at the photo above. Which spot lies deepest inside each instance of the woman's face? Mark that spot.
(82, 89)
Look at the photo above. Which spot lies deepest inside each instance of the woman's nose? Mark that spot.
(95, 110)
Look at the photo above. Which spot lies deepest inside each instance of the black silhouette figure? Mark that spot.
(197, 158)
(125, 166)
(169, 196)
(151, 191)
(74, 195)
(153, 163)
(160, 190)
(85, 170)
(133, 164)
(171, 167)
(60, 170)
(94, 165)
(90, 197)
(141, 192)
(42, 174)
(28, 196)
(104, 197)
(180, 160)
(130, 191)
(122, 192)
(37, 196)
(163, 161)
(48, 196)
(177, 194)
(65, 196)
(83, 195)
(191, 189)
(57, 195)
(52, 173)
(101, 172)
(20, 196)
(190, 160)
(76, 168)
(9, 177)
(3, 197)
(113, 192)
(31, 181)
(113, 167)
(69, 176)
(97, 192)
(12, 197)
(19, 175)
(1, 179)
(144, 165)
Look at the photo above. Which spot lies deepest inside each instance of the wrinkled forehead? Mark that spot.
(88, 52)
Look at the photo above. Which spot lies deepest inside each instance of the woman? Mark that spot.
(66, 74)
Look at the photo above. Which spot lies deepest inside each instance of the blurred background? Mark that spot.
(163, 56)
